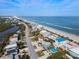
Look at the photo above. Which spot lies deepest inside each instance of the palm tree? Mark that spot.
(25, 56)
(58, 55)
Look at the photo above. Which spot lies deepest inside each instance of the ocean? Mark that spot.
(68, 24)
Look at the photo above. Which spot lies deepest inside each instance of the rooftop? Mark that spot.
(45, 33)
(11, 46)
(75, 50)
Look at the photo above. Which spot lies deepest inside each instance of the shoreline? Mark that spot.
(59, 32)
(64, 34)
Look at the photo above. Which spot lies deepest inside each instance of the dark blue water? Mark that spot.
(10, 30)
(68, 24)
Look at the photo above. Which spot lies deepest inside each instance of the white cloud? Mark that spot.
(17, 3)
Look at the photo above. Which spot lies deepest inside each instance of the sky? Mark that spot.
(39, 8)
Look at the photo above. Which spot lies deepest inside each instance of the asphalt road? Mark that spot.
(31, 50)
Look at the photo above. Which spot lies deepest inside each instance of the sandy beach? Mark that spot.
(62, 33)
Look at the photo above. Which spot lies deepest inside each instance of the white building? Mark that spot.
(74, 51)
(45, 33)
(12, 47)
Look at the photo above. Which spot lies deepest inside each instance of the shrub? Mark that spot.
(40, 53)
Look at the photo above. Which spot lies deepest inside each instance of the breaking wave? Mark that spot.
(56, 25)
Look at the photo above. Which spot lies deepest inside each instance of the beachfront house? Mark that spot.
(53, 37)
(12, 47)
(46, 44)
(45, 33)
(74, 51)
(68, 45)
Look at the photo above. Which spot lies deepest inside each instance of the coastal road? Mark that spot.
(31, 50)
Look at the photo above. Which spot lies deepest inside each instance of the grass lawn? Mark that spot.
(33, 40)
(58, 55)
(40, 53)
